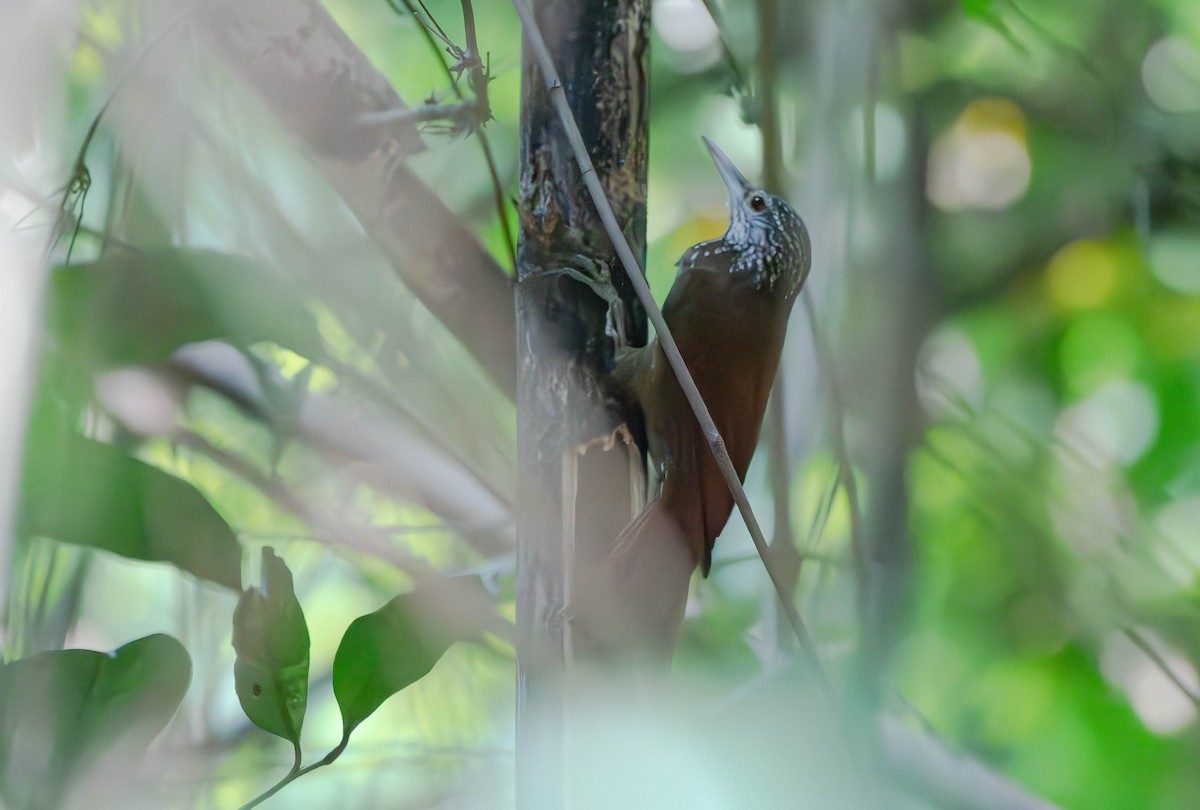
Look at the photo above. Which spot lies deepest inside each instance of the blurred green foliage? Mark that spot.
(67, 712)
(89, 493)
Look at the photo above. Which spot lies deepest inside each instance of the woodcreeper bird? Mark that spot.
(728, 311)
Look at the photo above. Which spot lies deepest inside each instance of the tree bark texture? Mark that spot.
(580, 480)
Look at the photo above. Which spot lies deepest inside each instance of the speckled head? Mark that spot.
(766, 237)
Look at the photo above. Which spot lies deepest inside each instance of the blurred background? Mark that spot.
(992, 389)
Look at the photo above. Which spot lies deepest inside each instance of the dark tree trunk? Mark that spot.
(577, 489)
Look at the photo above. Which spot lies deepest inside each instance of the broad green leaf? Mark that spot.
(63, 711)
(380, 654)
(88, 493)
(131, 307)
(270, 637)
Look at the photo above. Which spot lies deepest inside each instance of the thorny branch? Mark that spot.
(76, 189)
(467, 115)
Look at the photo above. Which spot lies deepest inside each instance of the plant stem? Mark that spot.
(296, 772)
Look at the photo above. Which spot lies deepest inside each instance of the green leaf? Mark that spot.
(88, 493)
(380, 654)
(271, 640)
(983, 11)
(63, 711)
(137, 307)
(977, 9)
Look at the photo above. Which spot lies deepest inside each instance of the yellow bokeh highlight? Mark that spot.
(982, 162)
(664, 252)
(697, 229)
(1082, 275)
(992, 115)
(104, 26)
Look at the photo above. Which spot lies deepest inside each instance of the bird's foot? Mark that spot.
(601, 284)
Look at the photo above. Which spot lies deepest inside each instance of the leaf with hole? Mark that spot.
(68, 712)
(270, 638)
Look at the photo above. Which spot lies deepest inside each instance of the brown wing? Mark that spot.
(648, 573)
(730, 335)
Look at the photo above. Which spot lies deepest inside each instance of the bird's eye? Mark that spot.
(757, 203)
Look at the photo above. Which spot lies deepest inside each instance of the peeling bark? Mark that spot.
(575, 493)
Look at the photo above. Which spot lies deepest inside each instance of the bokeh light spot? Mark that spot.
(1159, 702)
(1171, 75)
(1082, 275)
(1118, 422)
(982, 162)
(992, 115)
(1177, 522)
(1175, 260)
(685, 25)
